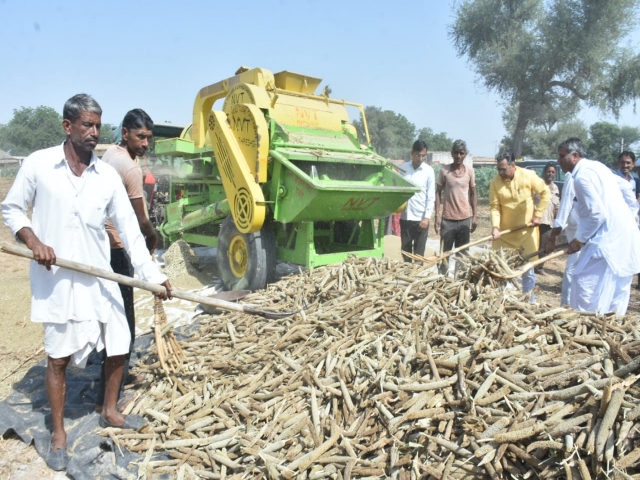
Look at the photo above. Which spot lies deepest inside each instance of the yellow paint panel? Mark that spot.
(247, 94)
(244, 194)
(304, 112)
(250, 129)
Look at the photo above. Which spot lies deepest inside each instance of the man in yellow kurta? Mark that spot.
(511, 196)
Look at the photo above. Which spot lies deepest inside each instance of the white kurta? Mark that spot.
(69, 215)
(603, 210)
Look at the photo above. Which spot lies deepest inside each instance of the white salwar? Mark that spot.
(76, 339)
(599, 289)
(604, 211)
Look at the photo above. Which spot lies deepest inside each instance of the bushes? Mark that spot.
(9, 170)
(484, 175)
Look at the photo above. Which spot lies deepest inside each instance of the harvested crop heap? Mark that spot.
(394, 371)
(180, 261)
(476, 267)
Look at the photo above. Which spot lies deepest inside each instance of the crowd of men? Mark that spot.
(93, 211)
(598, 209)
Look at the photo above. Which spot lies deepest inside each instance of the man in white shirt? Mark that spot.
(607, 237)
(72, 193)
(414, 222)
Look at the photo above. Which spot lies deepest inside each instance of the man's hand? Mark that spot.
(437, 224)
(536, 220)
(424, 224)
(574, 246)
(495, 233)
(474, 224)
(42, 253)
(167, 294)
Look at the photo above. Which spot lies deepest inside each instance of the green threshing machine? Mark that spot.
(277, 174)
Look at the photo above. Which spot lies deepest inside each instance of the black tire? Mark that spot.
(246, 261)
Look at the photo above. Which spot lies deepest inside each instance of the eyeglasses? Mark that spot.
(419, 155)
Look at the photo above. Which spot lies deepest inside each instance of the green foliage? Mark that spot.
(391, 133)
(544, 56)
(437, 142)
(606, 138)
(484, 175)
(106, 133)
(32, 129)
(541, 143)
(436, 170)
(9, 171)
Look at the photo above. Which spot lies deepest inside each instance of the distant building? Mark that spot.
(6, 159)
(444, 158)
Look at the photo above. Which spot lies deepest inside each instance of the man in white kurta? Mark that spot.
(72, 193)
(607, 238)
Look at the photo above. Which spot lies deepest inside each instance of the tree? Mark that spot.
(540, 142)
(541, 55)
(391, 133)
(32, 129)
(606, 140)
(437, 142)
(106, 133)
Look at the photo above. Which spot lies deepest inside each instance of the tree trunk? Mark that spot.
(521, 127)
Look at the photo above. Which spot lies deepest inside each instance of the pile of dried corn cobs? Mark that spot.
(477, 267)
(395, 371)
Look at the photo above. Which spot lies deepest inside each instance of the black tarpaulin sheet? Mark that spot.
(27, 412)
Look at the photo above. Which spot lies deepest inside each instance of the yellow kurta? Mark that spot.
(512, 205)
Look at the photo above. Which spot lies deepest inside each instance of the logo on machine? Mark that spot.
(359, 203)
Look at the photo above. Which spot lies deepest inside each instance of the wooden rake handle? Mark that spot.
(436, 259)
(151, 287)
(542, 250)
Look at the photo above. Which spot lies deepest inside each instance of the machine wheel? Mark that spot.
(246, 261)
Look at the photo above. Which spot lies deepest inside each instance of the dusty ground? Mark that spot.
(21, 340)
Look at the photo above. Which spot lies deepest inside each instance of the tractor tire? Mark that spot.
(246, 261)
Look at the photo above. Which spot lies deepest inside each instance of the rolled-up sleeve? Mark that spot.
(20, 196)
(124, 219)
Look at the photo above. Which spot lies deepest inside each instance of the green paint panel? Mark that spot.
(174, 146)
(206, 240)
(319, 190)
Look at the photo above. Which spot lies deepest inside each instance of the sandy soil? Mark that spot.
(21, 341)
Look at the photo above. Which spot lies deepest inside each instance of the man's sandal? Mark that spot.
(57, 460)
(131, 422)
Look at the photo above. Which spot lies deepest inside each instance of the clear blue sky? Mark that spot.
(157, 55)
